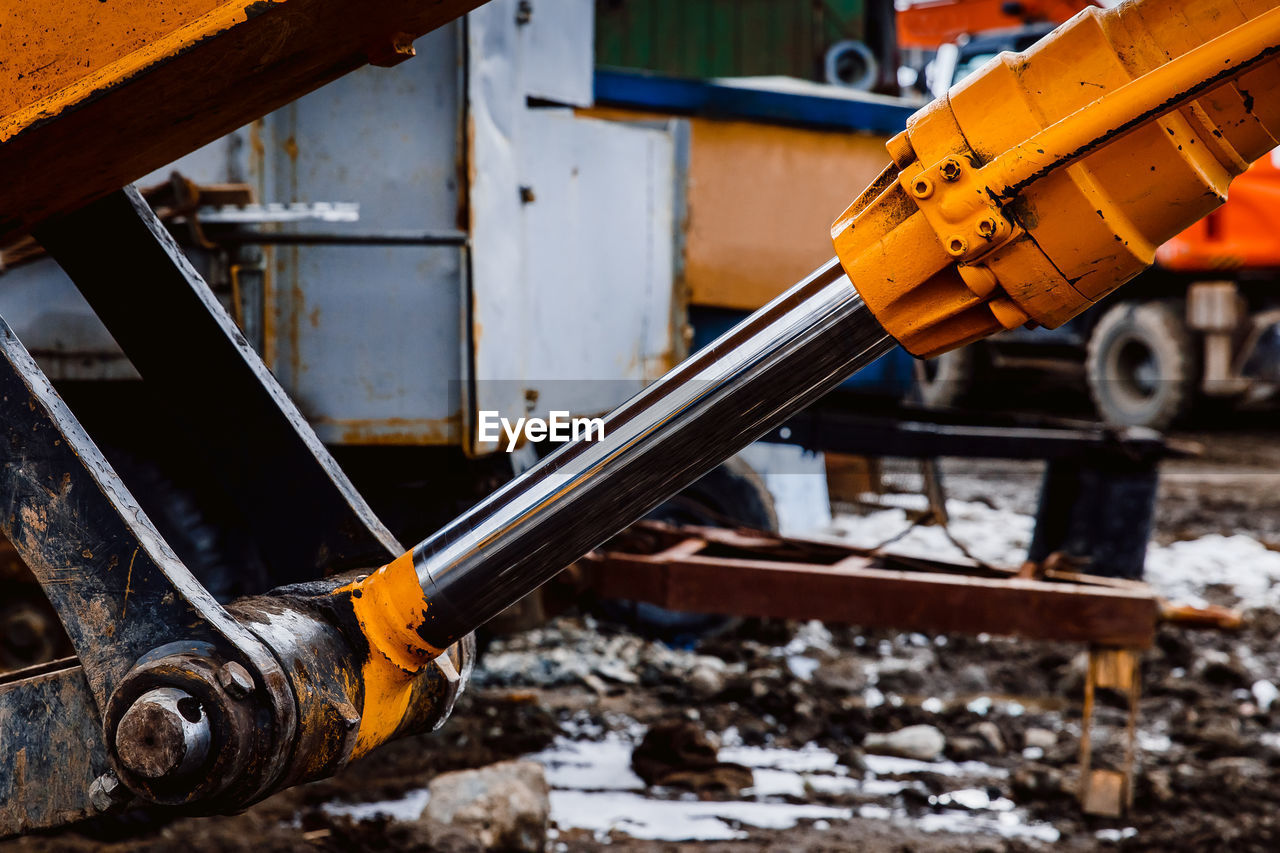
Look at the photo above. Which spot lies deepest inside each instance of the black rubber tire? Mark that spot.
(224, 562)
(1142, 364)
(732, 495)
(950, 380)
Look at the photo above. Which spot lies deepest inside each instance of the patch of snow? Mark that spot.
(1116, 835)
(406, 808)
(807, 760)
(887, 765)
(589, 765)
(973, 799)
(797, 482)
(996, 536)
(1181, 571)
(1264, 693)
(678, 820)
(1152, 742)
(802, 667)
(1005, 824)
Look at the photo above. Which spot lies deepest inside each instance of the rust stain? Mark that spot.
(394, 431)
(291, 148)
(128, 582)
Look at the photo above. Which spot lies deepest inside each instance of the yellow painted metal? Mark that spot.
(1047, 179)
(57, 54)
(94, 94)
(390, 606)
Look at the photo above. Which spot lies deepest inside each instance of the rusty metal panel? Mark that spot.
(108, 92)
(366, 338)
(51, 748)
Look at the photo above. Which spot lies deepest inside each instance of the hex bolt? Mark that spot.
(106, 793)
(236, 680)
(957, 245)
(165, 732)
(987, 227)
(950, 169)
(922, 187)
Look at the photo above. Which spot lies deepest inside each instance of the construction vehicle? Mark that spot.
(1198, 329)
(1021, 197)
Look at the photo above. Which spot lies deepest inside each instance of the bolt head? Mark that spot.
(950, 169)
(922, 187)
(987, 228)
(106, 793)
(236, 680)
(956, 245)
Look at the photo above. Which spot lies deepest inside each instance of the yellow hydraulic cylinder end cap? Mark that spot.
(1046, 179)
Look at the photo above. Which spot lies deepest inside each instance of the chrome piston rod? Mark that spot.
(781, 358)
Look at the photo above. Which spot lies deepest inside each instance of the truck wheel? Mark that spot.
(1141, 364)
(731, 495)
(950, 379)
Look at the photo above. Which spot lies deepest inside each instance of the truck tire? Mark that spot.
(1141, 364)
(949, 380)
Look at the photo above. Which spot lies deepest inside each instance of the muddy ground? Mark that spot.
(1208, 766)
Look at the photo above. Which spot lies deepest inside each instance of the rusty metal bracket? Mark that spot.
(711, 570)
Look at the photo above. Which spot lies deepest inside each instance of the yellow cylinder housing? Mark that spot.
(1046, 179)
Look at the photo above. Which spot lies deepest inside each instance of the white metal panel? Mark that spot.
(598, 258)
(572, 228)
(496, 313)
(561, 46)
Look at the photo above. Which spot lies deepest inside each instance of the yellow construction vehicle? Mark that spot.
(1029, 192)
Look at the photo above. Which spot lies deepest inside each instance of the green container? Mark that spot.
(724, 38)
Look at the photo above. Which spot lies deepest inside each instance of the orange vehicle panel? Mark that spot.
(931, 24)
(1242, 234)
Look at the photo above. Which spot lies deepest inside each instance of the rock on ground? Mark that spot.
(504, 806)
(923, 743)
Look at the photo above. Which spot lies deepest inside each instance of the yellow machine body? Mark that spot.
(1045, 180)
(94, 95)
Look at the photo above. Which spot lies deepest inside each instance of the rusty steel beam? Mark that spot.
(713, 571)
(95, 95)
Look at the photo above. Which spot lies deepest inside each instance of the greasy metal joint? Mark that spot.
(178, 736)
(332, 638)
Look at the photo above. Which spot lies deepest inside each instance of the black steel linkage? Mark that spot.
(129, 605)
(303, 512)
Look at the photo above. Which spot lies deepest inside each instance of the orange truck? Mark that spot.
(1202, 325)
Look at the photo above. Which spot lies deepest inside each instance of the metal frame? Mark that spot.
(174, 698)
(747, 573)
